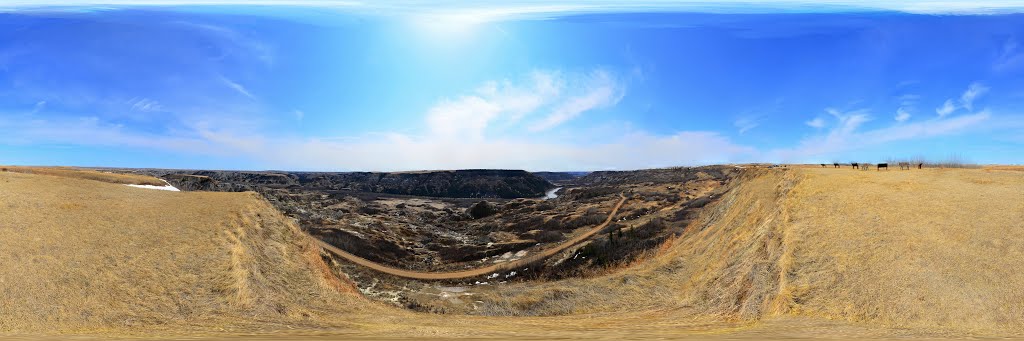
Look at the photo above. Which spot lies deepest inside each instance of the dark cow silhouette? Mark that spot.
(823, 165)
(854, 165)
(835, 165)
(883, 165)
(919, 164)
(904, 165)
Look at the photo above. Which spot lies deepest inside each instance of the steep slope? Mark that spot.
(87, 256)
(723, 266)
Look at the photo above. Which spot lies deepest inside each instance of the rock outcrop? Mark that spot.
(471, 183)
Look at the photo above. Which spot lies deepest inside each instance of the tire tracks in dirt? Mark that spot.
(500, 267)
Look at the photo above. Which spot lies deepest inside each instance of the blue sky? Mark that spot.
(333, 85)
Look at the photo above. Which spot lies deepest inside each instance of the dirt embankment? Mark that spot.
(543, 254)
(725, 264)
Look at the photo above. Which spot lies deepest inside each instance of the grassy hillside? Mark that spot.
(930, 251)
(785, 253)
(85, 256)
(87, 174)
(934, 248)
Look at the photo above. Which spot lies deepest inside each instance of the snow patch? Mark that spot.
(166, 187)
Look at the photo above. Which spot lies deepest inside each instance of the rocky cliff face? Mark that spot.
(559, 177)
(472, 183)
(654, 176)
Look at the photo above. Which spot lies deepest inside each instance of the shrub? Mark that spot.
(482, 209)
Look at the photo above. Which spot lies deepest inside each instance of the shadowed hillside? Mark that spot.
(466, 183)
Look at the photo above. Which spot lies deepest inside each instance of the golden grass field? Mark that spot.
(87, 174)
(796, 253)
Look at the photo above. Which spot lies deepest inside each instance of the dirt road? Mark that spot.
(500, 267)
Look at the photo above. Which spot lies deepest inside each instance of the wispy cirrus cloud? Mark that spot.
(145, 105)
(1011, 58)
(908, 104)
(744, 124)
(966, 100)
(546, 99)
(600, 89)
(817, 122)
(237, 87)
(847, 134)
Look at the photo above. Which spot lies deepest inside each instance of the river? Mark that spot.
(550, 194)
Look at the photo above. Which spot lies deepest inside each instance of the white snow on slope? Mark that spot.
(167, 187)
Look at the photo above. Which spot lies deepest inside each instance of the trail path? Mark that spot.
(500, 267)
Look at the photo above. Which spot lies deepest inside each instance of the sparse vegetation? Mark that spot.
(951, 161)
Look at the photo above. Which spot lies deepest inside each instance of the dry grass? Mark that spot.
(1004, 167)
(723, 267)
(925, 251)
(87, 174)
(786, 253)
(935, 249)
(83, 256)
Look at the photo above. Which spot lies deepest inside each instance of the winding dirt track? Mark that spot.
(478, 271)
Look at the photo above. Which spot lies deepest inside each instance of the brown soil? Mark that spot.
(500, 267)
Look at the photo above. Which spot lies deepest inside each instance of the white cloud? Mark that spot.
(908, 104)
(466, 117)
(237, 87)
(559, 97)
(850, 121)
(966, 100)
(599, 90)
(902, 114)
(145, 105)
(38, 107)
(973, 91)
(91, 131)
(817, 122)
(622, 149)
(846, 136)
(946, 108)
(1011, 57)
(630, 151)
(744, 124)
